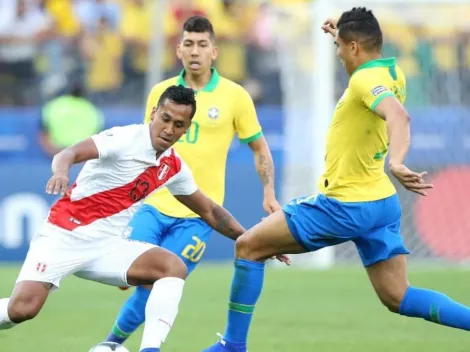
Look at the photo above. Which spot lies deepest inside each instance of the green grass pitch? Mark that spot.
(326, 311)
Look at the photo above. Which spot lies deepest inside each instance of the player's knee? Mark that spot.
(392, 300)
(175, 267)
(24, 307)
(244, 248)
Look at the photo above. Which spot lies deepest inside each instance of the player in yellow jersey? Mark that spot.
(357, 202)
(224, 109)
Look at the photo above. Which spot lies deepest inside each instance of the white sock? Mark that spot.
(5, 322)
(161, 311)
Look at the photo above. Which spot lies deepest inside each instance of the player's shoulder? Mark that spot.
(161, 86)
(233, 88)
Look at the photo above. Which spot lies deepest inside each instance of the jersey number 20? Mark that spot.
(194, 252)
(192, 135)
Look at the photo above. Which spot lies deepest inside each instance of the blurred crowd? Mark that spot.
(106, 46)
(47, 46)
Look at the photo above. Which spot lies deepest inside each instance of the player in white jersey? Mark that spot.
(85, 233)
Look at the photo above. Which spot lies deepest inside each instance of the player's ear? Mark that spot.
(178, 52)
(153, 113)
(215, 53)
(353, 47)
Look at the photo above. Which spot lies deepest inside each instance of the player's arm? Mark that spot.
(385, 104)
(249, 132)
(398, 128)
(215, 215)
(63, 161)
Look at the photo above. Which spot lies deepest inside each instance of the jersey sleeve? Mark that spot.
(115, 142)
(183, 183)
(246, 122)
(370, 88)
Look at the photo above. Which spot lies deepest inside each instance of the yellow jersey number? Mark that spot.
(192, 135)
(194, 252)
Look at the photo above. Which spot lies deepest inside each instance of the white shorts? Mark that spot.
(55, 253)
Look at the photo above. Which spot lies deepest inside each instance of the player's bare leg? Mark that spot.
(389, 279)
(166, 272)
(268, 238)
(24, 304)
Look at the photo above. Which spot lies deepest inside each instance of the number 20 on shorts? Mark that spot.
(194, 252)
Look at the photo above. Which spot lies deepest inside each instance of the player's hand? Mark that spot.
(412, 181)
(329, 26)
(58, 183)
(270, 204)
(283, 258)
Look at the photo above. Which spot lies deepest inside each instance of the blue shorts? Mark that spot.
(186, 237)
(374, 227)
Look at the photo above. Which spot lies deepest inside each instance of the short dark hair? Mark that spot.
(199, 24)
(360, 24)
(179, 95)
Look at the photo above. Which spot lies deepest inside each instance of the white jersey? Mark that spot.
(109, 190)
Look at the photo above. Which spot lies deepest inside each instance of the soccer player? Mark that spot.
(85, 233)
(357, 201)
(224, 108)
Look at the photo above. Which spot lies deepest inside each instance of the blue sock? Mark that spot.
(150, 350)
(435, 307)
(131, 316)
(247, 283)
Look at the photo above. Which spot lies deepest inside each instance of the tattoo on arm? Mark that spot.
(225, 223)
(265, 168)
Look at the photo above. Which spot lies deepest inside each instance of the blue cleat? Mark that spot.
(226, 346)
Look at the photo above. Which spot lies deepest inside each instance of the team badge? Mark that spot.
(163, 171)
(213, 113)
(41, 267)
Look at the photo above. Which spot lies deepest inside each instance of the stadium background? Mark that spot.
(267, 47)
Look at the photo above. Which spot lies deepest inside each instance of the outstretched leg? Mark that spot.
(390, 282)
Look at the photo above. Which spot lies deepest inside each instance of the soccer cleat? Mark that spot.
(226, 346)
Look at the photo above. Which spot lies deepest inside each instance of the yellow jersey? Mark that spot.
(357, 141)
(224, 109)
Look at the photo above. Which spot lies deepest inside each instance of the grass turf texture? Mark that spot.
(334, 310)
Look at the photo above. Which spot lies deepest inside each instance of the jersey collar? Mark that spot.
(210, 86)
(386, 62)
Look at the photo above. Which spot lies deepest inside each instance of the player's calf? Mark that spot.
(167, 273)
(25, 304)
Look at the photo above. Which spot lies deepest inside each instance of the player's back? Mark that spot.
(224, 109)
(357, 142)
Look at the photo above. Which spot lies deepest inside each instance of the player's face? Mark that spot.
(347, 53)
(196, 51)
(169, 122)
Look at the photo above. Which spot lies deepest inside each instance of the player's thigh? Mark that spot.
(304, 225)
(133, 263)
(270, 237)
(54, 255)
(381, 244)
(147, 225)
(188, 239)
(389, 280)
